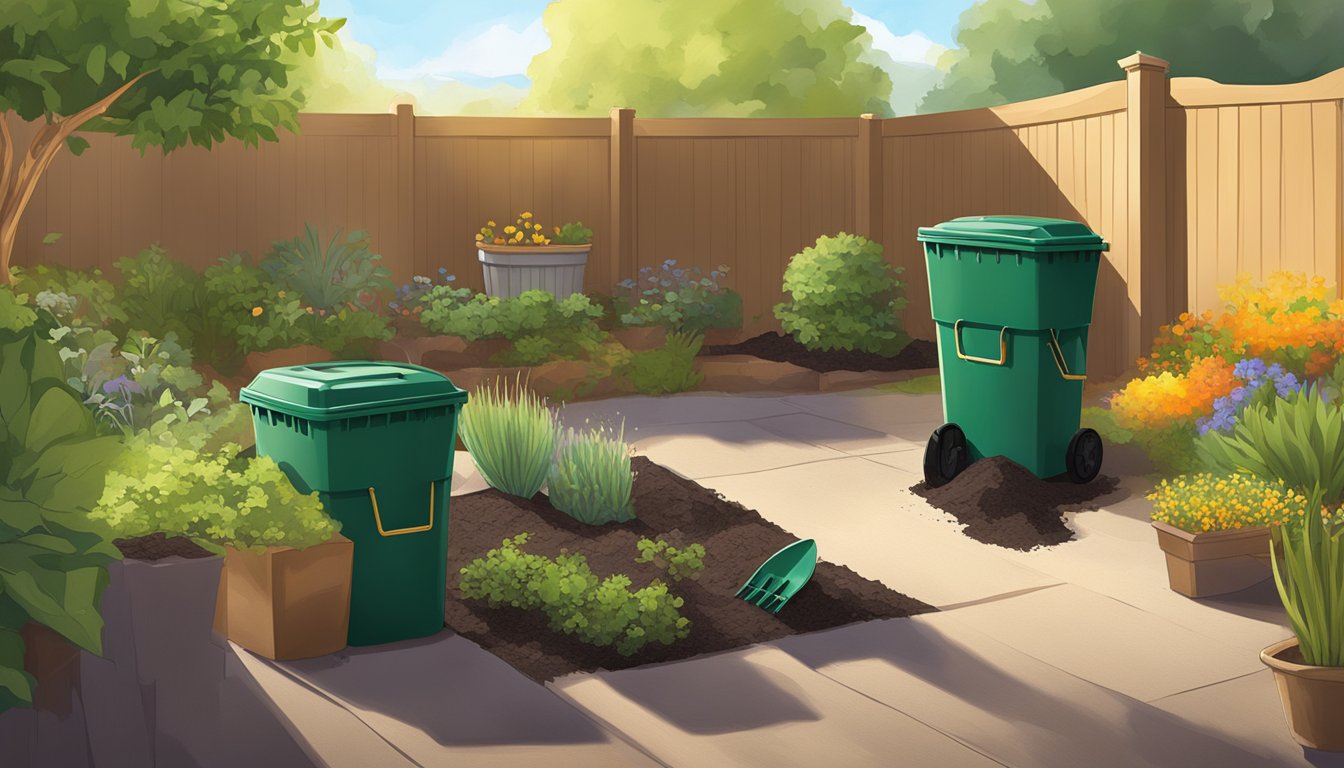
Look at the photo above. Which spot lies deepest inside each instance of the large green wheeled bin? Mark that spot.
(376, 441)
(1012, 301)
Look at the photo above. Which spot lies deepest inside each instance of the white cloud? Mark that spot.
(498, 51)
(913, 48)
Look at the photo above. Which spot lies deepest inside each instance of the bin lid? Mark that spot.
(1031, 234)
(339, 390)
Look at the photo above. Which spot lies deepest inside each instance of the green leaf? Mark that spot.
(16, 686)
(118, 61)
(51, 237)
(96, 64)
(76, 145)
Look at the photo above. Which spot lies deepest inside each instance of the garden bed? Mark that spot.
(681, 512)
(918, 354)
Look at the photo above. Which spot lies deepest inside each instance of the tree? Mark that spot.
(1010, 51)
(763, 58)
(161, 71)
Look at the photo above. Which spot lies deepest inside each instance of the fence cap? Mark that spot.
(340, 390)
(1030, 234)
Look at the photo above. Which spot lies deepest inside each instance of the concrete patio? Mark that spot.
(1073, 655)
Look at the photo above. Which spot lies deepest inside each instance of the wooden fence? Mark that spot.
(1190, 181)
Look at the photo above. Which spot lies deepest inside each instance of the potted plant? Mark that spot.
(1309, 668)
(1215, 529)
(525, 256)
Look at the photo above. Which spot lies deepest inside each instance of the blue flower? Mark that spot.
(123, 385)
(447, 278)
(1274, 371)
(1249, 368)
(443, 270)
(669, 263)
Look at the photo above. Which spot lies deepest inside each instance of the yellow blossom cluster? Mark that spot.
(523, 231)
(1208, 502)
(1158, 401)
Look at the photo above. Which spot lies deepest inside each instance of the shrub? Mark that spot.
(1155, 402)
(511, 435)
(216, 497)
(341, 274)
(285, 321)
(230, 289)
(52, 465)
(573, 233)
(1211, 502)
(1309, 575)
(590, 479)
(666, 370)
(683, 563)
(1299, 439)
(681, 299)
(410, 298)
(540, 326)
(157, 294)
(86, 298)
(599, 612)
(843, 295)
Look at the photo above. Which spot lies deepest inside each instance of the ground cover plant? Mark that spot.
(665, 370)
(538, 325)
(681, 299)
(1208, 501)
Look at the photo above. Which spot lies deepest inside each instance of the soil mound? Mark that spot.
(784, 349)
(1002, 503)
(157, 546)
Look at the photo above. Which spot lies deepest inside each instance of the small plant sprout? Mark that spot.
(511, 435)
(683, 563)
(591, 480)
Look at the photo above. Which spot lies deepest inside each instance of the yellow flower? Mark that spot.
(525, 215)
(256, 311)
(537, 227)
(509, 230)
(479, 236)
(557, 230)
(1179, 330)
(489, 223)
(281, 294)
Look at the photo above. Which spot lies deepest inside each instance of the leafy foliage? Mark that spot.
(156, 293)
(1011, 51)
(511, 435)
(1309, 575)
(572, 233)
(1211, 502)
(843, 295)
(602, 612)
(246, 503)
(540, 326)
(755, 58)
(680, 563)
(341, 274)
(590, 479)
(681, 299)
(666, 370)
(283, 320)
(75, 296)
(53, 556)
(1299, 439)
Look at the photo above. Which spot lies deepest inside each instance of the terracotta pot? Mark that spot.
(640, 338)
(1214, 562)
(287, 603)
(280, 358)
(1313, 697)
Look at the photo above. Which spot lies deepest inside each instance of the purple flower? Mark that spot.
(1251, 368)
(123, 385)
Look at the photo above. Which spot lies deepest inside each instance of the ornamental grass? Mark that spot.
(511, 434)
(591, 480)
(1309, 575)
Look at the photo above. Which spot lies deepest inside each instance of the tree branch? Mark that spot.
(6, 158)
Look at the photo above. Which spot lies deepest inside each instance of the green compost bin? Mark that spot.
(376, 441)
(1012, 301)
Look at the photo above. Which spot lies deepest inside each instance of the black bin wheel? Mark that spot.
(946, 455)
(1084, 458)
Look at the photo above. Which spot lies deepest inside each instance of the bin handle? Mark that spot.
(378, 518)
(1003, 346)
(1058, 354)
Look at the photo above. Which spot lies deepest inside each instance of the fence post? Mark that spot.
(622, 262)
(868, 179)
(406, 188)
(1149, 263)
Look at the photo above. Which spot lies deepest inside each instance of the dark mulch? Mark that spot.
(1001, 502)
(157, 546)
(784, 349)
(736, 541)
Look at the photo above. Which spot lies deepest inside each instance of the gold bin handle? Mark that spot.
(378, 518)
(1003, 346)
(1058, 353)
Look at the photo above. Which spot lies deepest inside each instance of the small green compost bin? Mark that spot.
(376, 441)
(1012, 301)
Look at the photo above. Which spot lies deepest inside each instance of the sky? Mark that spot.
(478, 43)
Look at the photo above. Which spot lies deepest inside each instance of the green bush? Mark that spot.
(511, 435)
(53, 556)
(572, 233)
(590, 479)
(76, 297)
(666, 370)
(535, 321)
(246, 503)
(602, 612)
(157, 294)
(343, 273)
(1299, 439)
(843, 295)
(284, 321)
(680, 299)
(230, 289)
(683, 563)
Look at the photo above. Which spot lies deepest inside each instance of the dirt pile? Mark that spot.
(784, 349)
(157, 546)
(1002, 503)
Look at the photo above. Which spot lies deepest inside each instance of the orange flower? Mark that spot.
(256, 311)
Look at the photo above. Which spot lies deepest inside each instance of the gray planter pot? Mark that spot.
(511, 269)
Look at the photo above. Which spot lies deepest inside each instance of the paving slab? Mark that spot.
(327, 731)
(1256, 718)
(687, 408)
(757, 707)
(1010, 706)
(444, 701)
(836, 435)
(863, 516)
(466, 477)
(1107, 642)
(722, 448)
(910, 417)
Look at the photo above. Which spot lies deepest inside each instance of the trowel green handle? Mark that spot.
(781, 576)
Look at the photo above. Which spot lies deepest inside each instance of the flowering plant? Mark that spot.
(1262, 383)
(411, 297)
(683, 299)
(526, 230)
(1154, 402)
(1211, 502)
